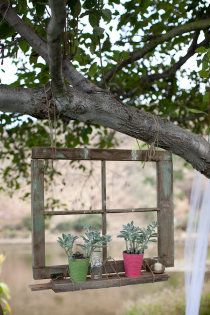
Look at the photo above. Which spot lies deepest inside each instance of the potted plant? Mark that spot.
(79, 262)
(136, 240)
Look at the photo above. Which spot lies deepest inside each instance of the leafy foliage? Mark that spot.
(19, 134)
(136, 238)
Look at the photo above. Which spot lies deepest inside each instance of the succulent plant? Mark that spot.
(92, 241)
(67, 242)
(136, 238)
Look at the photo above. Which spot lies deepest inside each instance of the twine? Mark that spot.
(114, 268)
(153, 275)
(5, 13)
(52, 126)
(151, 147)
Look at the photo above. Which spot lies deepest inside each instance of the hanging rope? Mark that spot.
(146, 265)
(5, 13)
(151, 147)
(114, 268)
(52, 122)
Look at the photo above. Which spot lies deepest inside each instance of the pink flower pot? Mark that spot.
(132, 264)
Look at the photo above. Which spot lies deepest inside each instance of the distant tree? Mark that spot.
(104, 64)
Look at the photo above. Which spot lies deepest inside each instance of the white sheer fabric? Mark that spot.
(196, 244)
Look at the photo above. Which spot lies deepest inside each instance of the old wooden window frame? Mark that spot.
(164, 207)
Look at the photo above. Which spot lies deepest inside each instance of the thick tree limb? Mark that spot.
(140, 53)
(23, 101)
(105, 110)
(54, 40)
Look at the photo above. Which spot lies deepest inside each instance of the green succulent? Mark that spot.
(67, 242)
(93, 241)
(136, 238)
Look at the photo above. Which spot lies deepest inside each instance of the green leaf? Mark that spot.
(22, 6)
(4, 290)
(114, 1)
(106, 45)
(75, 6)
(89, 4)
(40, 8)
(33, 57)
(5, 30)
(201, 50)
(196, 111)
(204, 73)
(93, 69)
(206, 97)
(106, 15)
(94, 18)
(24, 45)
(98, 31)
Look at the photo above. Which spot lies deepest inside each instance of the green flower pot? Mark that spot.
(78, 269)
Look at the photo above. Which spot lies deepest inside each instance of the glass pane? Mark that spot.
(76, 186)
(130, 185)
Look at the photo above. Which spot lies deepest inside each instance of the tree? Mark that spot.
(105, 64)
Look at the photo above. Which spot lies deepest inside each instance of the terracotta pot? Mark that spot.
(132, 264)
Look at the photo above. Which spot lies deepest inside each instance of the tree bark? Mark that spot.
(54, 40)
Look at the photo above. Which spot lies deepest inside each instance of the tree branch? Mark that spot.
(176, 66)
(23, 101)
(54, 40)
(147, 80)
(39, 45)
(170, 72)
(140, 53)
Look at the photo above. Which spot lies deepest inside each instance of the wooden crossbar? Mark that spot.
(75, 212)
(99, 154)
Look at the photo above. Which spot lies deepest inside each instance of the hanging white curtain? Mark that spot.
(196, 244)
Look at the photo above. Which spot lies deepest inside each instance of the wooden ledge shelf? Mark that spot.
(65, 285)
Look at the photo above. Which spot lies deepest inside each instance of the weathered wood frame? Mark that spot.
(164, 207)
